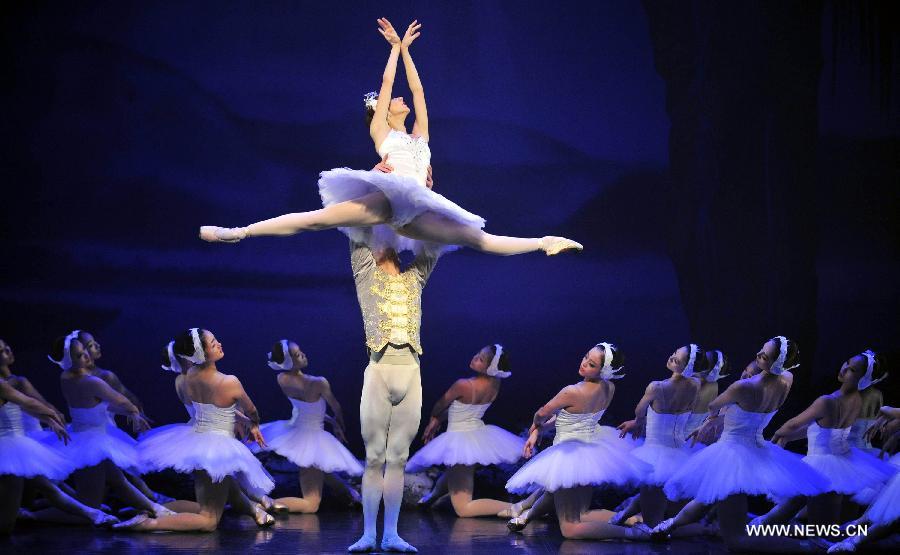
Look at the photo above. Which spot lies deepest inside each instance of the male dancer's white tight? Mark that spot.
(390, 411)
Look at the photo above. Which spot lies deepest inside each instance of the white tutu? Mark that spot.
(867, 495)
(94, 440)
(468, 441)
(23, 456)
(303, 440)
(743, 462)
(579, 457)
(208, 445)
(407, 197)
(886, 507)
(663, 448)
(848, 469)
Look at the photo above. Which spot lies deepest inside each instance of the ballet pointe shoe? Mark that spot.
(513, 511)
(555, 245)
(273, 507)
(660, 532)
(262, 518)
(365, 544)
(396, 544)
(215, 234)
(518, 523)
(133, 524)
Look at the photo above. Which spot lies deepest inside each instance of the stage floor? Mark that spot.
(332, 532)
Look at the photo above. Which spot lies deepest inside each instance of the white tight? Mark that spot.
(389, 411)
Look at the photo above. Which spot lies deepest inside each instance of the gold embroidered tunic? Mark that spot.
(391, 305)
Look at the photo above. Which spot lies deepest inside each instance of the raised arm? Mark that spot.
(420, 127)
(379, 126)
(794, 428)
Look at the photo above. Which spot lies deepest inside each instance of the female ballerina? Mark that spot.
(98, 450)
(664, 409)
(580, 458)
(871, 399)
(467, 441)
(255, 505)
(717, 363)
(741, 463)
(302, 439)
(396, 203)
(211, 453)
(826, 424)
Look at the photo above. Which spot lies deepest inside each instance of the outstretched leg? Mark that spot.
(367, 210)
(436, 228)
(210, 495)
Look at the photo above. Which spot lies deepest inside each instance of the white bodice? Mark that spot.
(209, 418)
(94, 418)
(11, 420)
(745, 427)
(666, 429)
(409, 156)
(308, 415)
(827, 441)
(582, 427)
(190, 410)
(462, 417)
(857, 438)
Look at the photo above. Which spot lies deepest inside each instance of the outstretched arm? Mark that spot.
(379, 126)
(420, 127)
(438, 412)
(794, 428)
(640, 413)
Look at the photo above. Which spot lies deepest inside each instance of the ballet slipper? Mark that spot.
(513, 511)
(396, 544)
(364, 544)
(133, 524)
(263, 519)
(159, 510)
(272, 506)
(103, 520)
(518, 523)
(555, 245)
(215, 234)
(660, 532)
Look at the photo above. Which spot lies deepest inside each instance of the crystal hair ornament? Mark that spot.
(492, 370)
(607, 372)
(287, 363)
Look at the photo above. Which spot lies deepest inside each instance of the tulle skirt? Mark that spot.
(92, 446)
(851, 472)
(407, 197)
(728, 467)
(665, 461)
(867, 495)
(26, 457)
(485, 445)
(309, 448)
(575, 463)
(185, 450)
(886, 507)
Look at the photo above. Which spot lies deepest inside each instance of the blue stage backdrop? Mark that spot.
(732, 177)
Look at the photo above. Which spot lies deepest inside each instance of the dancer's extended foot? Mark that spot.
(397, 544)
(555, 245)
(513, 511)
(619, 518)
(215, 234)
(263, 519)
(639, 532)
(363, 545)
(272, 506)
(135, 524)
(103, 520)
(660, 532)
(159, 510)
(518, 523)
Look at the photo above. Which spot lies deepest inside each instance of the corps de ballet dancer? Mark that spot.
(257, 505)
(826, 424)
(303, 439)
(95, 352)
(31, 424)
(741, 462)
(871, 400)
(99, 451)
(717, 364)
(663, 412)
(468, 441)
(581, 457)
(210, 451)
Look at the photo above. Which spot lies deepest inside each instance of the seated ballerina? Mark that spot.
(99, 451)
(211, 451)
(883, 515)
(27, 461)
(741, 462)
(468, 441)
(403, 211)
(302, 439)
(665, 410)
(257, 506)
(581, 457)
(826, 424)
